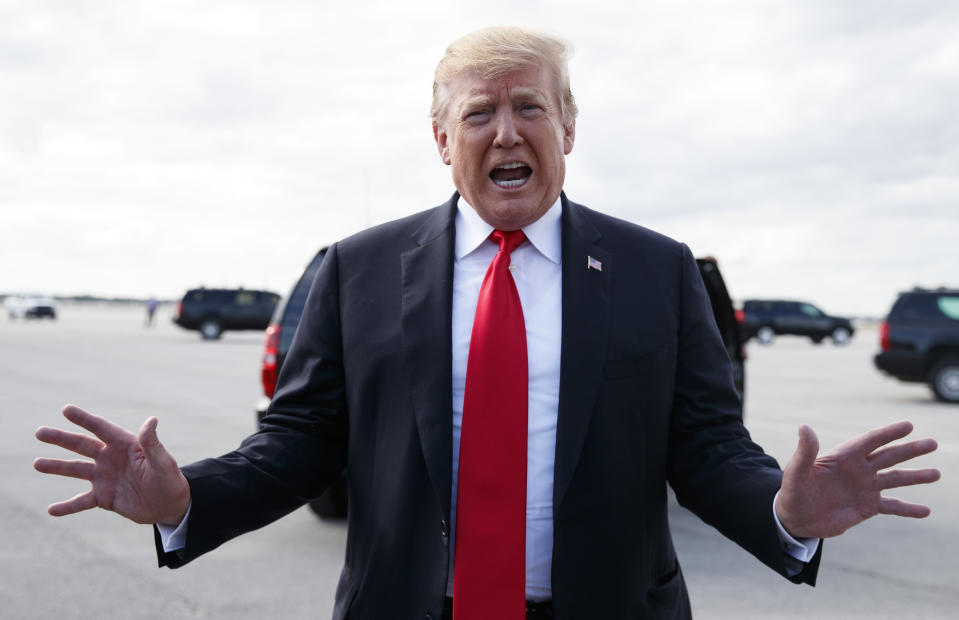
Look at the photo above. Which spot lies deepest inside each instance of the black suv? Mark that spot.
(287, 316)
(765, 319)
(211, 311)
(919, 340)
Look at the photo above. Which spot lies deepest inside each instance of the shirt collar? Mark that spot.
(545, 233)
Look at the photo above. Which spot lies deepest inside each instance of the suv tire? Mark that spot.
(210, 329)
(944, 379)
(765, 335)
(840, 335)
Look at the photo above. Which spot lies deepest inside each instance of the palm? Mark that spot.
(826, 495)
(132, 475)
(121, 480)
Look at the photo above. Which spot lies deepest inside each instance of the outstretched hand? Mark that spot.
(132, 475)
(825, 495)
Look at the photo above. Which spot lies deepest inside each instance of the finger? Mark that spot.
(102, 428)
(77, 503)
(906, 477)
(893, 506)
(807, 449)
(74, 469)
(83, 445)
(878, 437)
(893, 455)
(149, 441)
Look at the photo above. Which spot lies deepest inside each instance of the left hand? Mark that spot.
(823, 496)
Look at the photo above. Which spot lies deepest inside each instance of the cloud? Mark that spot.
(148, 147)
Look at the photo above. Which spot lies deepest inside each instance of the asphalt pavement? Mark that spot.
(97, 565)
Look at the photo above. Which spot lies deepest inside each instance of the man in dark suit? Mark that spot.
(627, 387)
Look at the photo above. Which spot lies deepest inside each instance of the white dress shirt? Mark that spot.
(537, 272)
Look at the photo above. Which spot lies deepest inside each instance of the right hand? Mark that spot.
(132, 475)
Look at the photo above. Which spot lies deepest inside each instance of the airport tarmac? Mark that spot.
(97, 565)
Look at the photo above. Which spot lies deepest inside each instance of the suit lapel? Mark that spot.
(427, 285)
(586, 299)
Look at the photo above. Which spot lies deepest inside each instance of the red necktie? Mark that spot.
(489, 577)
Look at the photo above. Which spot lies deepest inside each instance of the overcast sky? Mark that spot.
(148, 147)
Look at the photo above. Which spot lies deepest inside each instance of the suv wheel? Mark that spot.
(765, 334)
(210, 329)
(840, 335)
(944, 380)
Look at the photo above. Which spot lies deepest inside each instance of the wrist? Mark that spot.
(179, 506)
(787, 521)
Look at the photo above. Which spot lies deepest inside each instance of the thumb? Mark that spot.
(148, 440)
(807, 450)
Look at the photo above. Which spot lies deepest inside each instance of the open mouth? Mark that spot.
(511, 174)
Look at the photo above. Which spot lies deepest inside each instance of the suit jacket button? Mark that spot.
(444, 528)
(428, 617)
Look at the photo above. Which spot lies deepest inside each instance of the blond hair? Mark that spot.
(498, 51)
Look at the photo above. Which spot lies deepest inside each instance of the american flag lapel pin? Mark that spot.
(592, 263)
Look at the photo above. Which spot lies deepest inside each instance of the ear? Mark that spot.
(569, 136)
(442, 143)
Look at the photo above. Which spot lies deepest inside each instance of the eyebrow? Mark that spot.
(479, 99)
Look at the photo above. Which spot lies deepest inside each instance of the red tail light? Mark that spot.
(884, 343)
(740, 316)
(268, 369)
(179, 308)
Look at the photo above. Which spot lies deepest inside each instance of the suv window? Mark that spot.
(758, 306)
(784, 308)
(810, 310)
(949, 306)
(210, 296)
(297, 301)
(925, 307)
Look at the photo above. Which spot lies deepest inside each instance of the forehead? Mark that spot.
(535, 81)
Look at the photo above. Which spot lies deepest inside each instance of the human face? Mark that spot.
(505, 141)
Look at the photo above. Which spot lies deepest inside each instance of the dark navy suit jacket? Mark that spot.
(646, 399)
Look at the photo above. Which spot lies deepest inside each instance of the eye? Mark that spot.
(476, 117)
(530, 109)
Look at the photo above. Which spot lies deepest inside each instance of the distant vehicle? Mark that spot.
(919, 341)
(211, 311)
(279, 335)
(764, 319)
(31, 307)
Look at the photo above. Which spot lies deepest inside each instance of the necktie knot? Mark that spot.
(508, 240)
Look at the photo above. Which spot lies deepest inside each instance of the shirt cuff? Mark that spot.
(802, 549)
(173, 537)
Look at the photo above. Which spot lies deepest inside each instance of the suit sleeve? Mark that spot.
(714, 467)
(301, 446)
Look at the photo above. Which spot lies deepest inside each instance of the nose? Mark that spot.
(507, 134)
